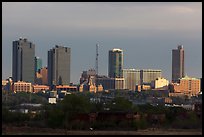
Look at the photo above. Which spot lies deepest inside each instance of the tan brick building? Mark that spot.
(22, 86)
(188, 86)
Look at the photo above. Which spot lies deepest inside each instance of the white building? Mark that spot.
(52, 100)
(159, 83)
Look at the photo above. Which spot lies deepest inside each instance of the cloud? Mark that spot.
(181, 9)
(101, 15)
(136, 26)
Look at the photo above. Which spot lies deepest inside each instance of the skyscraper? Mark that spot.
(177, 63)
(59, 66)
(23, 65)
(38, 64)
(115, 63)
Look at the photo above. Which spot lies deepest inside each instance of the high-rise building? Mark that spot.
(177, 63)
(23, 65)
(131, 78)
(148, 75)
(59, 66)
(38, 64)
(115, 63)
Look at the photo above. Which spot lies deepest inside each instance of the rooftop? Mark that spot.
(115, 49)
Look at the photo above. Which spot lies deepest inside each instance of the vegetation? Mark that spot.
(66, 114)
(13, 99)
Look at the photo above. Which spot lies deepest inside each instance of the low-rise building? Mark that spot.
(142, 87)
(22, 86)
(188, 86)
(110, 83)
(37, 88)
(52, 100)
(66, 87)
(159, 83)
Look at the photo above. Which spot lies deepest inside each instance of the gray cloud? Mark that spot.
(146, 31)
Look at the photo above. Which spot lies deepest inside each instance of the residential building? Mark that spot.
(22, 86)
(59, 66)
(131, 78)
(177, 63)
(23, 64)
(188, 86)
(115, 63)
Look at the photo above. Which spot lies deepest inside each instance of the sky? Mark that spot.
(146, 32)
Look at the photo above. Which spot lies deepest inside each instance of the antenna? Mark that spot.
(97, 45)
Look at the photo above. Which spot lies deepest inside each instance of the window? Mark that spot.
(189, 84)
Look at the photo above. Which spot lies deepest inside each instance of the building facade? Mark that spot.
(110, 83)
(22, 86)
(59, 66)
(188, 86)
(38, 64)
(23, 64)
(43, 72)
(177, 63)
(119, 83)
(131, 78)
(106, 82)
(148, 75)
(66, 88)
(38, 88)
(38, 78)
(160, 83)
(115, 63)
(86, 74)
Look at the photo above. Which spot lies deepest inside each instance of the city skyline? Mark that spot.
(146, 37)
